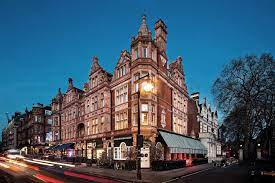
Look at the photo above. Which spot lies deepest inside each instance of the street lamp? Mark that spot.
(146, 87)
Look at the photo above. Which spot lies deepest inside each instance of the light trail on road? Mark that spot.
(4, 165)
(37, 162)
(46, 171)
(47, 179)
(52, 162)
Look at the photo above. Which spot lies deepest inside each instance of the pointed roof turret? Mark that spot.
(95, 65)
(143, 29)
(204, 101)
(70, 84)
(59, 94)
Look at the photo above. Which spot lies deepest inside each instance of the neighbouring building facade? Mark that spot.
(30, 131)
(9, 134)
(104, 115)
(208, 127)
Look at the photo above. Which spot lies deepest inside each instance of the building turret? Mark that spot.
(161, 35)
(95, 65)
(70, 84)
(59, 94)
(143, 29)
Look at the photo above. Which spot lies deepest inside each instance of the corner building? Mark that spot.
(104, 115)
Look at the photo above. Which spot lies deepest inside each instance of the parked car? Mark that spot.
(231, 160)
(262, 171)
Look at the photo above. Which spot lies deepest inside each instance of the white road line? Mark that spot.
(172, 180)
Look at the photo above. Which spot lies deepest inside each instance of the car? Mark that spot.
(262, 171)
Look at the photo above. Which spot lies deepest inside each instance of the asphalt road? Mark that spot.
(12, 171)
(230, 174)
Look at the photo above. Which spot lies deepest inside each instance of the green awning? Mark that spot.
(181, 144)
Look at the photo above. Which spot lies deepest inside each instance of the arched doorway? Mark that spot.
(80, 130)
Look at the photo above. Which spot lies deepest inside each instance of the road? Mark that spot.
(230, 174)
(12, 171)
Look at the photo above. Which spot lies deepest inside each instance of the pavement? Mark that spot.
(147, 174)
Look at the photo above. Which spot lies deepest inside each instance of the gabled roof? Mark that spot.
(177, 64)
(95, 65)
(124, 56)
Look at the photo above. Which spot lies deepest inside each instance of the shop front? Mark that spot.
(94, 149)
(80, 149)
(123, 147)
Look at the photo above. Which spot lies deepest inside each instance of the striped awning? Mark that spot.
(181, 144)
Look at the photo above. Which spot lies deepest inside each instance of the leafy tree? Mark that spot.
(245, 93)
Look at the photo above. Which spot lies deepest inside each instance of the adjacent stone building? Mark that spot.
(208, 127)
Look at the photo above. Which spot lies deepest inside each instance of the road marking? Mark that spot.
(172, 180)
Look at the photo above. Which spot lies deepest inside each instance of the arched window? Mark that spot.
(123, 150)
(159, 151)
(163, 120)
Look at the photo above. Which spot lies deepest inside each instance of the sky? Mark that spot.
(44, 42)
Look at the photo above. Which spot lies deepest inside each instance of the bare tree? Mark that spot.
(245, 93)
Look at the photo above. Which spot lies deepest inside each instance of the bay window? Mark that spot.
(122, 94)
(144, 114)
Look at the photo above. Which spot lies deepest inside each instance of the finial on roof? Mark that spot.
(95, 65)
(204, 101)
(70, 85)
(59, 94)
(143, 29)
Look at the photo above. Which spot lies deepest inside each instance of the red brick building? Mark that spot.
(103, 116)
(33, 129)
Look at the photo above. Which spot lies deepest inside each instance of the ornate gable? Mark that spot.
(177, 64)
(124, 57)
(95, 66)
(97, 76)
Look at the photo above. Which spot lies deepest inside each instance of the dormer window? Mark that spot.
(121, 71)
(144, 52)
(118, 73)
(136, 53)
(93, 82)
(124, 70)
(163, 60)
(179, 81)
(96, 81)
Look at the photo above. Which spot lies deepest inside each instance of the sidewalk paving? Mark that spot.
(147, 174)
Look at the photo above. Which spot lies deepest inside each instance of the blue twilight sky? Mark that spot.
(43, 42)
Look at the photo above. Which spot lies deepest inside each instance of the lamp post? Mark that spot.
(147, 87)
